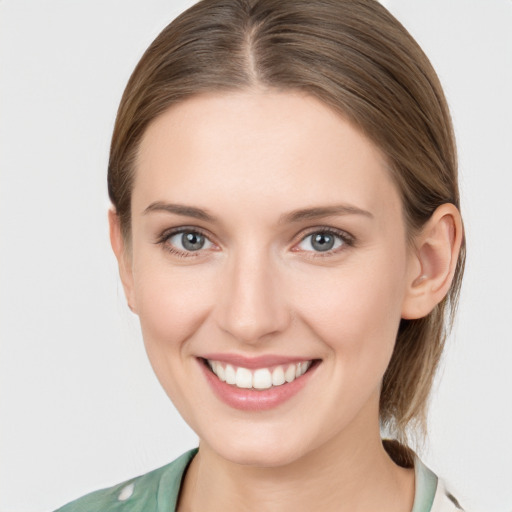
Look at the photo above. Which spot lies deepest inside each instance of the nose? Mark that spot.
(252, 305)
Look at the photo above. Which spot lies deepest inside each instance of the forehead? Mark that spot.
(256, 148)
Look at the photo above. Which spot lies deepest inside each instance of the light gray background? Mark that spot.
(80, 407)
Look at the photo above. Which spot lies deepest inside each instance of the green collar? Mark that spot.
(425, 488)
(170, 483)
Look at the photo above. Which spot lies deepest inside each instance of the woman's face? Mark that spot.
(267, 239)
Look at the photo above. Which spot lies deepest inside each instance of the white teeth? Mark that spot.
(289, 374)
(302, 368)
(243, 378)
(262, 378)
(230, 375)
(220, 372)
(278, 376)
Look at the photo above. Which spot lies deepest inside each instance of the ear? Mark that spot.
(123, 256)
(432, 262)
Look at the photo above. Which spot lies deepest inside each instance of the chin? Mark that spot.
(258, 449)
(261, 457)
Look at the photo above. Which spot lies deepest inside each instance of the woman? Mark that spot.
(286, 221)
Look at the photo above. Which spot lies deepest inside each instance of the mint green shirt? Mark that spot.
(157, 491)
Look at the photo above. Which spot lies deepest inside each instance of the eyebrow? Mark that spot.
(291, 217)
(180, 209)
(322, 211)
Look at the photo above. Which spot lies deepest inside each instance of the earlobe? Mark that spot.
(123, 258)
(435, 257)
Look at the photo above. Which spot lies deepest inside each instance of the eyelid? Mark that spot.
(347, 239)
(164, 237)
(167, 233)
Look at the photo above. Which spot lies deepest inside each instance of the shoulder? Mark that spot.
(151, 492)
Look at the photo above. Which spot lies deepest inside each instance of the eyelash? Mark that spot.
(163, 240)
(346, 239)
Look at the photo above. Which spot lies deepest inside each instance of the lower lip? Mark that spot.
(253, 399)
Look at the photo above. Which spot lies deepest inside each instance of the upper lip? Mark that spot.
(252, 363)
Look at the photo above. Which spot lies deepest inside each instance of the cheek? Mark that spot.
(356, 309)
(171, 303)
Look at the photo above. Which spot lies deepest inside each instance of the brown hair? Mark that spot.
(354, 56)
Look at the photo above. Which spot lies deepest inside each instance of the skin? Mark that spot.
(258, 287)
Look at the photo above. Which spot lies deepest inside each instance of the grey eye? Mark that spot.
(189, 241)
(192, 241)
(321, 242)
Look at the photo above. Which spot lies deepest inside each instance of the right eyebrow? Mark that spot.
(180, 209)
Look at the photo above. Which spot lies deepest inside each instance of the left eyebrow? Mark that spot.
(322, 211)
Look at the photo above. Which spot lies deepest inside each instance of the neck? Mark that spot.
(352, 473)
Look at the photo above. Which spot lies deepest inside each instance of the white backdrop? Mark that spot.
(80, 408)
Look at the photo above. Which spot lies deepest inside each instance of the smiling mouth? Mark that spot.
(260, 378)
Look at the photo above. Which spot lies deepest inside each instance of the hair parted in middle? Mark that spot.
(356, 58)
